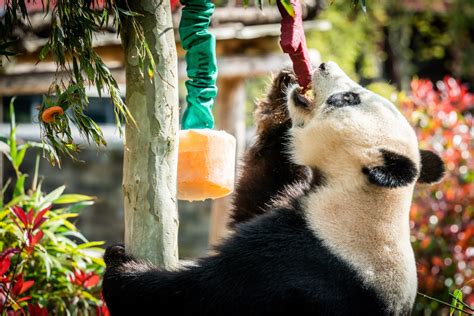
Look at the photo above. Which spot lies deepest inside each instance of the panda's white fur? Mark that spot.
(335, 241)
(375, 220)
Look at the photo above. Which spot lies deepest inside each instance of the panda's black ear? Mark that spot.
(396, 171)
(432, 167)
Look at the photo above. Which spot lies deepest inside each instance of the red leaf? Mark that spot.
(40, 218)
(26, 286)
(18, 285)
(30, 215)
(39, 222)
(20, 214)
(4, 265)
(36, 310)
(36, 238)
(91, 281)
(25, 298)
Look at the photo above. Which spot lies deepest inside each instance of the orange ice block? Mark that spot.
(206, 164)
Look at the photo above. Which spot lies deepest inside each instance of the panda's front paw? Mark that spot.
(115, 255)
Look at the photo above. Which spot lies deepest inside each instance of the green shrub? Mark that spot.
(46, 264)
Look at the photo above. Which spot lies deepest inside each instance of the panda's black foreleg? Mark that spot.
(267, 168)
(134, 287)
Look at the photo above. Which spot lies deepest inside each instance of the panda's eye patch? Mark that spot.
(343, 99)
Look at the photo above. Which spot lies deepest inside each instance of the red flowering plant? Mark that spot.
(442, 216)
(46, 265)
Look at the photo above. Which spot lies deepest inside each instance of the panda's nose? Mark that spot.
(322, 67)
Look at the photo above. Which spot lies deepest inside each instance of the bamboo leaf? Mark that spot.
(44, 51)
(288, 7)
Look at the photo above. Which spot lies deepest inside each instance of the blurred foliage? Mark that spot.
(46, 265)
(396, 39)
(439, 37)
(353, 39)
(442, 216)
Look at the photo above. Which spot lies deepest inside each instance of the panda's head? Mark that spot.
(354, 135)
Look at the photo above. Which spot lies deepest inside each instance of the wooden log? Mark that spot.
(232, 66)
(230, 116)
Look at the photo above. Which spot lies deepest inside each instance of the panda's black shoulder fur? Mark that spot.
(272, 265)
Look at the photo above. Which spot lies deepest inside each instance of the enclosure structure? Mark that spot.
(247, 46)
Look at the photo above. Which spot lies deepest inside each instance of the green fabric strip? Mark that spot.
(200, 46)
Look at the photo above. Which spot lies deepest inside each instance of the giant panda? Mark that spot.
(337, 245)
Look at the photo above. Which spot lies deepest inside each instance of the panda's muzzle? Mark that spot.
(300, 100)
(342, 99)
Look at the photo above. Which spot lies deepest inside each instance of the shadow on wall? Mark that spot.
(100, 175)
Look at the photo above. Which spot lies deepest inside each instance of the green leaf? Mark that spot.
(456, 302)
(44, 51)
(90, 244)
(16, 200)
(51, 236)
(246, 3)
(69, 225)
(151, 71)
(98, 261)
(12, 138)
(128, 13)
(51, 197)
(460, 304)
(288, 7)
(20, 156)
(64, 216)
(90, 297)
(20, 186)
(77, 207)
(4, 48)
(3, 214)
(47, 263)
(3, 190)
(73, 198)
(75, 234)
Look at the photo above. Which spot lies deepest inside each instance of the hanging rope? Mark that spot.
(293, 41)
(200, 46)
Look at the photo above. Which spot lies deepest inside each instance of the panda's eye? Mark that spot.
(343, 99)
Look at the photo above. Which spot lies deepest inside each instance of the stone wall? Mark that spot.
(100, 175)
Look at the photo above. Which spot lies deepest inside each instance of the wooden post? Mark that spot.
(230, 116)
(150, 157)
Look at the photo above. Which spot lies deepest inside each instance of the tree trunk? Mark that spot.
(230, 117)
(150, 158)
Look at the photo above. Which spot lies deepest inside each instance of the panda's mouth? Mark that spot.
(302, 100)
